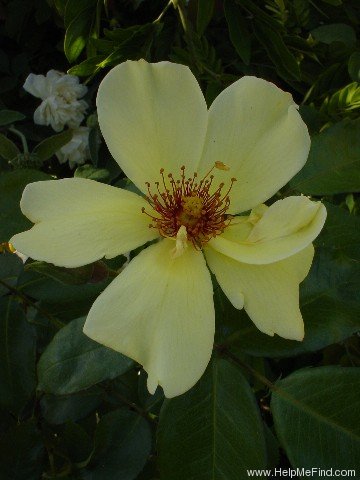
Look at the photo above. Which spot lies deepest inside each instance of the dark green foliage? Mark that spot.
(334, 162)
(72, 362)
(314, 425)
(212, 431)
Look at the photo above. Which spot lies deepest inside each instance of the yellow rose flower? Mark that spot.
(197, 168)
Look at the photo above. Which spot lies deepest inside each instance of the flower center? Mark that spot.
(191, 203)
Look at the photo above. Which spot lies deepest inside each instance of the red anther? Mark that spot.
(176, 205)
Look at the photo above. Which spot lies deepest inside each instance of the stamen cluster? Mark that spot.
(189, 202)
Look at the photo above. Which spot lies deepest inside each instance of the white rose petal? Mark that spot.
(60, 94)
(76, 152)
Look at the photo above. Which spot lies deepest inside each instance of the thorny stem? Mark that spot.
(22, 138)
(57, 323)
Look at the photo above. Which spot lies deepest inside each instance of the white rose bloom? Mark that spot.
(77, 150)
(60, 94)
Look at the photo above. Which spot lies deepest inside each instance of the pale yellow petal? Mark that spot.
(284, 229)
(159, 311)
(78, 221)
(269, 293)
(256, 130)
(152, 116)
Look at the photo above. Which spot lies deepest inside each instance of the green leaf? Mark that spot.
(12, 185)
(67, 276)
(334, 162)
(10, 268)
(214, 430)
(21, 453)
(285, 62)
(10, 116)
(47, 290)
(129, 43)
(354, 67)
(205, 12)
(17, 356)
(121, 35)
(73, 362)
(77, 34)
(58, 409)
(341, 232)
(344, 101)
(88, 171)
(76, 7)
(317, 417)
(238, 30)
(48, 147)
(8, 149)
(336, 32)
(122, 446)
(88, 66)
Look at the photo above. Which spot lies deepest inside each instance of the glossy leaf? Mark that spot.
(317, 417)
(213, 431)
(334, 161)
(77, 34)
(58, 409)
(341, 233)
(88, 66)
(48, 147)
(72, 362)
(88, 171)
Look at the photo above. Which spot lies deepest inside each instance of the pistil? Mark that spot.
(189, 203)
